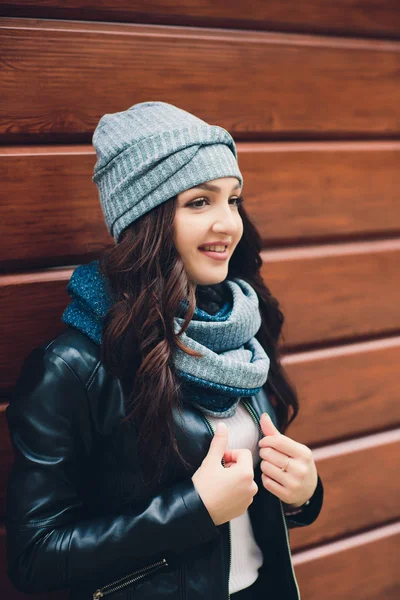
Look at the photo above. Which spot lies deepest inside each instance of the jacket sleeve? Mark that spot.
(52, 542)
(307, 513)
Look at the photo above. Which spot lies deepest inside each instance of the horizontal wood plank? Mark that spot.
(360, 489)
(345, 391)
(34, 309)
(361, 568)
(320, 192)
(329, 293)
(55, 215)
(294, 193)
(365, 17)
(71, 72)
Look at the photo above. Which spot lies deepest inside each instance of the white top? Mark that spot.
(246, 556)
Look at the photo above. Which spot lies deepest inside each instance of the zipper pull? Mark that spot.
(98, 594)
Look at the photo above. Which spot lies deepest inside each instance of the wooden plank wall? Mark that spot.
(310, 90)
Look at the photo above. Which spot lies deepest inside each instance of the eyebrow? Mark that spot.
(212, 188)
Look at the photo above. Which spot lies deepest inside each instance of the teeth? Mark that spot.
(214, 248)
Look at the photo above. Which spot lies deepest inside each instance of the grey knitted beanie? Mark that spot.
(151, 152)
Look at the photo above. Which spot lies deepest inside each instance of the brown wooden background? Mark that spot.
(310, 90)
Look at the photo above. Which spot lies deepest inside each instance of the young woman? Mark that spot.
(123, 486)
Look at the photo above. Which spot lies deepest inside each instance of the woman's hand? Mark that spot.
(225, 492)
(297, 483)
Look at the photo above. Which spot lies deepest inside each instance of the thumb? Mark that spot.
(267, 425)
(219, 442)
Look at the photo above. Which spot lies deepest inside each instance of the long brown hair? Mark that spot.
(148, 282)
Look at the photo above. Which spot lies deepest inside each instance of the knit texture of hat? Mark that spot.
(151, 152)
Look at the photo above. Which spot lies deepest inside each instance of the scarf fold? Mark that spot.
(233, 365)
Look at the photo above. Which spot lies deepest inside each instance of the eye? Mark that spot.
(195, 203)
(237, 201)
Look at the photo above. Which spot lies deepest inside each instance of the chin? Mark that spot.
(209, 279)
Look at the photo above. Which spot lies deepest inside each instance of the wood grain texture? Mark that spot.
(345, 391)
(364, 17)
(302, 87)
(335, 293)
(360, 491)
(321, 192)
(294, 192)
(34, 307)
(365, 568)
(49, 207)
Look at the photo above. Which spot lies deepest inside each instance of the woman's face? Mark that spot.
(206, 214)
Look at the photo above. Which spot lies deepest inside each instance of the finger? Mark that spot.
(231, 455)
(245, 459)
(241, 456)
(296, 467)
(275, 488)
(274, 456)
(219, 442)
(268, 426)
(285, 445)
(283, 477)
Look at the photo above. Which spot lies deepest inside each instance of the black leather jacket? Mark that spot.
(78, 514)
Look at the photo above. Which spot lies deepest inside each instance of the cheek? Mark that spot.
(239, 230)
(186, 235)
(188, 231)
(179, 232)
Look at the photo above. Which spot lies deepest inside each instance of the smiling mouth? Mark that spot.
(218, 245)
(215, 254)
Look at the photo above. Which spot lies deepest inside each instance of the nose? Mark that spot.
(226, 220)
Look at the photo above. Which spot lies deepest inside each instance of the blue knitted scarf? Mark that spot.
(233, 365)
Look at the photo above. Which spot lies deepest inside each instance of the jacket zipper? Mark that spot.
(256, 420)
(121, 583)
(229, 523)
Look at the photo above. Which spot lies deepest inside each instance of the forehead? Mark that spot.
(217, 185)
